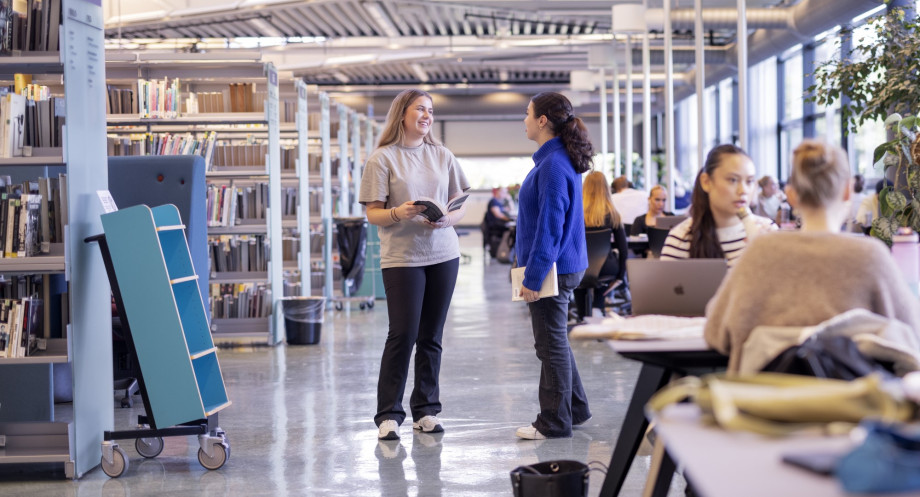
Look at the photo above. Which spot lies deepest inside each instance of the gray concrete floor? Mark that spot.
(301, 422)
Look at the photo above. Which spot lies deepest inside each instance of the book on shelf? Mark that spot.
(21, 324)
(435, 210)
(549, 288)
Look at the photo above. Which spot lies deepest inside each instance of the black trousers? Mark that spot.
(417, 303)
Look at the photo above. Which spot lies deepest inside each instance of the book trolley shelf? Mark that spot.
(32, 429)
(156, 292)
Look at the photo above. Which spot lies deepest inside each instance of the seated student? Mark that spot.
(810, 275)
(600, 213)
(496, 219)
(657, 199)
(868, 207)
(769, 199)
(628, 201)
(720, 223)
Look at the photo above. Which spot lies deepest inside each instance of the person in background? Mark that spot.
(419, 259)
(769, 200)
(868, 207)
(551, 229)
(813, 274)
(720, 222)
(600, 213)
(657, 200)
(856, 198)
(629, 202)
(497, 218)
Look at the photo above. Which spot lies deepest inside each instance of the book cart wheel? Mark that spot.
(118, 465)
(219, 454)
(149, 447)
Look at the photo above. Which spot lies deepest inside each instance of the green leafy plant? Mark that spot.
(879, 76)
(899, 205)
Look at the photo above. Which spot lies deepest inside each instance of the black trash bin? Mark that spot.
(303, 319)
(351, 235)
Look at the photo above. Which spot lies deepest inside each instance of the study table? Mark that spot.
(661, 360)
(722, 463)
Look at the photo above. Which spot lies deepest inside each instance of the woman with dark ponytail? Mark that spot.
(720, 222)
(551, 230)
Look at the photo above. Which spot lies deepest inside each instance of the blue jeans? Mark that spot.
(562, 398)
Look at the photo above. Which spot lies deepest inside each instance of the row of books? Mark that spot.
(238, 253)
(235, 203)
(29, 26)
(26, 124)
(164, 144)
(32, 216)
(157, 99)
(252, 154)
(240, 300)
(21, 324)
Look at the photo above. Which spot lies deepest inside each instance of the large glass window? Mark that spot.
(793, 87)
(763, 120)
(726, 112)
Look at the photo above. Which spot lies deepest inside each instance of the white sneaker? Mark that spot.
(530, 432)
(428, 424)
(388, 430)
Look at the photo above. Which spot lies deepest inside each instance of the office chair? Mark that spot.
(656, 239)
(598, 247)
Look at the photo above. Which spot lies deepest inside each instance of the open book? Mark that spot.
(436, 210)
(550, 286)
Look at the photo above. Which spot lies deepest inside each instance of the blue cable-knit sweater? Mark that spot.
(550, 222)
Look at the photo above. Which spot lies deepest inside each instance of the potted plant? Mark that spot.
(880, 79)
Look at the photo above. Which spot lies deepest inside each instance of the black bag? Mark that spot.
(821, 356)
(551, 479)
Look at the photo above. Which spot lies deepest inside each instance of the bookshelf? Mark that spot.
(247, 157)
(70, 437)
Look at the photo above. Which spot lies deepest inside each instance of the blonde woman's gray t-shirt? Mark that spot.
(394, 175)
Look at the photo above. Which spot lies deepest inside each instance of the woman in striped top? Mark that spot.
(720, 222)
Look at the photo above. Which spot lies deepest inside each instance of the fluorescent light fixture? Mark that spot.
(419, 72)
(350, 59)
(375, 10)
(342, 77)
(265, 29)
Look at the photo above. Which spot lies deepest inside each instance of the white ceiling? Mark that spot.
(382, 46)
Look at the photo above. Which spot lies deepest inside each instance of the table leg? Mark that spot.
(661, 472)
(651, 379)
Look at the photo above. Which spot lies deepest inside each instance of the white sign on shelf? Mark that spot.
(108, 203)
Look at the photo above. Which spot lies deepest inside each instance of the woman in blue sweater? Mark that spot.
(551, 229)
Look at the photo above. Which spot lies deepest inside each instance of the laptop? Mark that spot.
(673, 288)
(668, 222)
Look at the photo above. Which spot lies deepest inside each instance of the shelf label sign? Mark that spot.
(108, 203)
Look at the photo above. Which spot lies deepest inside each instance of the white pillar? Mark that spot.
(700, 84)
(617, 151)
(650, 177)
(628, 149)
(742, 76)
(603, 89)
(669, 102)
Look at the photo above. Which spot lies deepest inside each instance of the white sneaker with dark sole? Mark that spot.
(388, 430)
(428, 424)
(529, 432)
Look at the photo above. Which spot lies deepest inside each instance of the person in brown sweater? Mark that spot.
(806, 277)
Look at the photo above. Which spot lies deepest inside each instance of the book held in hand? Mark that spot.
(436, 210)
(550, 287)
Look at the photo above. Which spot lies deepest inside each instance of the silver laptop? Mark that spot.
(673, 288)
(668, 222)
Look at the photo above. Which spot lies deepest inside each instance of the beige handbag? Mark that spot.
(779, 404)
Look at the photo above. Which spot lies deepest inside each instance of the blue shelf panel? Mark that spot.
(172, 241)
(210, 383)
(192, 316)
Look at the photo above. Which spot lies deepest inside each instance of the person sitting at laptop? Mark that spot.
(600, 214)
(814, 274)
(720, 222)
(657, 199)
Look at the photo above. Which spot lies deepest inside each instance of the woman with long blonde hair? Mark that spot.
(600, 213)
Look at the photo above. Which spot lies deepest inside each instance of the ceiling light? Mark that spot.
(375, 10)
(419, 72)
(342, 77)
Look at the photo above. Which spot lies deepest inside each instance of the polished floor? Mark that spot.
(301, 420)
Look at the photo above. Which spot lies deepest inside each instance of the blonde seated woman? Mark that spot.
(803, 278)
(657, 200)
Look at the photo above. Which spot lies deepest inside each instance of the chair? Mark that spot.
(656, 239)
(598, 247)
